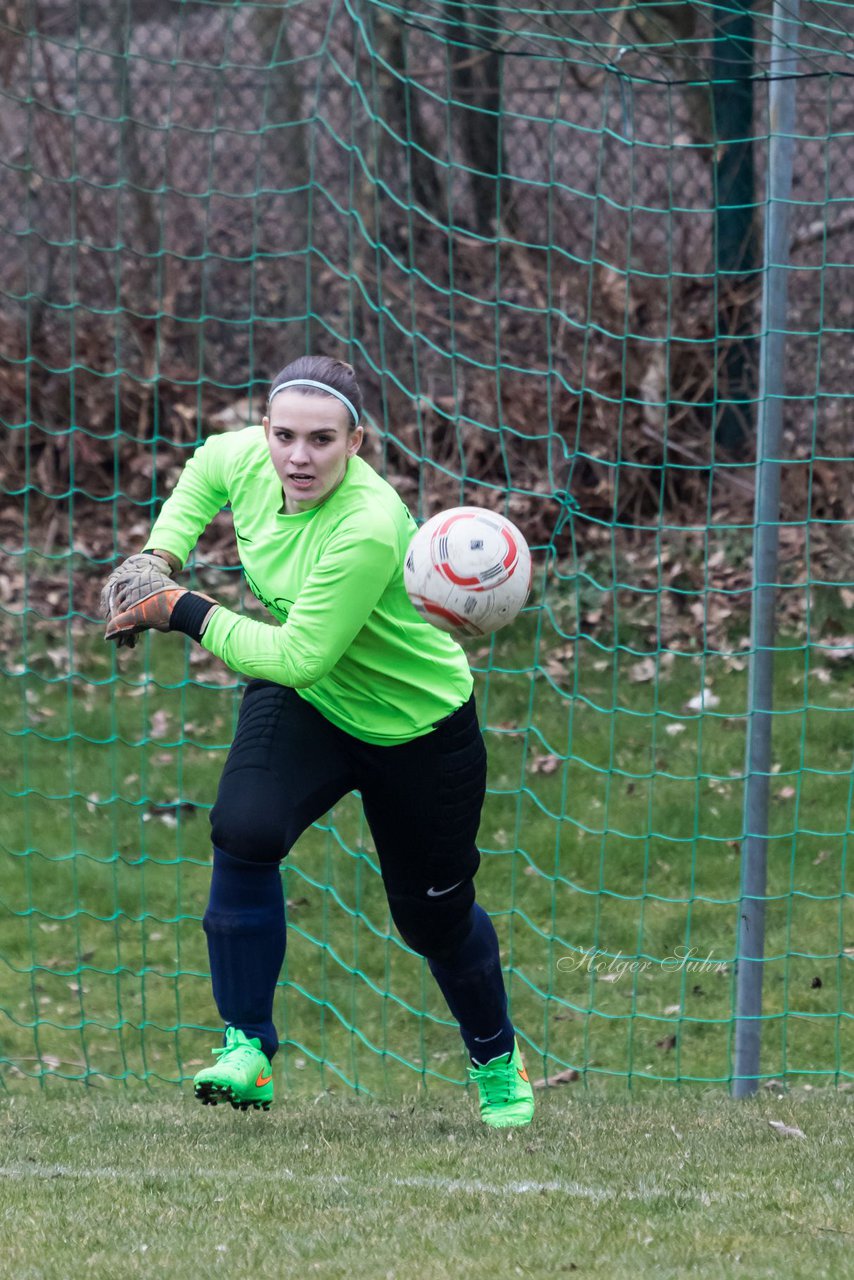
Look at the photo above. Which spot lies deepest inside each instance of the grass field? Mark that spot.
(611, 837)
(662, 1187)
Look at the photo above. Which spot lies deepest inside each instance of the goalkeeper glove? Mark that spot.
(129, 582)
(165, 608)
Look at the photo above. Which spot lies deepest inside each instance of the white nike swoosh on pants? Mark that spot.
(437, 893)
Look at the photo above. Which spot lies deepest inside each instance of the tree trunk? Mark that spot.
(287, 168)
(400, 111)
(735, 225)
(476, 85)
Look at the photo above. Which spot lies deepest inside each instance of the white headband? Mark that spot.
(309, 382)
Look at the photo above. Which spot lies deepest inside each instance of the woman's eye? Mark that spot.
(285, 437)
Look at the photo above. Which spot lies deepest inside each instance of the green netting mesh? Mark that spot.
(537, 231)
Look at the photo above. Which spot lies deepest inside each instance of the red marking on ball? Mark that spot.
(429, 606)
(473, 584)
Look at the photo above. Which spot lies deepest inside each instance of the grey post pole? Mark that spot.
(751, 930)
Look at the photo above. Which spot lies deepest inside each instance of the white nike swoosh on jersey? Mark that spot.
(437, 893)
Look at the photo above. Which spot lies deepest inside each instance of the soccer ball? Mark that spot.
(468, 571)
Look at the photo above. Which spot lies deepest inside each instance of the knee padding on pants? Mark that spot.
(434, 927)
(248, 827)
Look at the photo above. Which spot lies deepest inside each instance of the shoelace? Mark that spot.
(232, 1048)
(497, 1084)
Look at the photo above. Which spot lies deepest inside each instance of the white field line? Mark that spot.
(644, 1192)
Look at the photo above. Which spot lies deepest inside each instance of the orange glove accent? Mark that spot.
(152, 613)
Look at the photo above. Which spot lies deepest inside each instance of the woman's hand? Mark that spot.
(147, 602)
(134, 578)
(149, 612)
(123, 577)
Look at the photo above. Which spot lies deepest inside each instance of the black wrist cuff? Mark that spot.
(189, 615)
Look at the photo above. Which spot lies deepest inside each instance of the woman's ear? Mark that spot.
(354, 443)
(265, 423)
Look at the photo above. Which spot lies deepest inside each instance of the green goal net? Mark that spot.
(537, 232)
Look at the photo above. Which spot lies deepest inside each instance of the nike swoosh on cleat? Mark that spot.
(262, 1079)
(523, 1073)
(438, 893)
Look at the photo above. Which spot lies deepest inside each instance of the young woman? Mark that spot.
(352, 690)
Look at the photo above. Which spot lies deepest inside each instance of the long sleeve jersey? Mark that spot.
(348, 639)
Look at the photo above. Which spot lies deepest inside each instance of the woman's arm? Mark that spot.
(200, 493)
(332, 608)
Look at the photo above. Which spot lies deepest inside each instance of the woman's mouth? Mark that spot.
(300, 479)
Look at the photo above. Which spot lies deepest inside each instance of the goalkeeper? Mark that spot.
(352, 690)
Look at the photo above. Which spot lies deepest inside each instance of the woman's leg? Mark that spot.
(423, 801)
(284, 771)
(246, 932)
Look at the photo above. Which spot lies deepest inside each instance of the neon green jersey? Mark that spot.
(349, 641)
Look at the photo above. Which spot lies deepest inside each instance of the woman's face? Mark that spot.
(310, 444)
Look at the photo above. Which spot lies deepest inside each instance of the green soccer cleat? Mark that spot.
(243, 1076)
(506, 1096)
